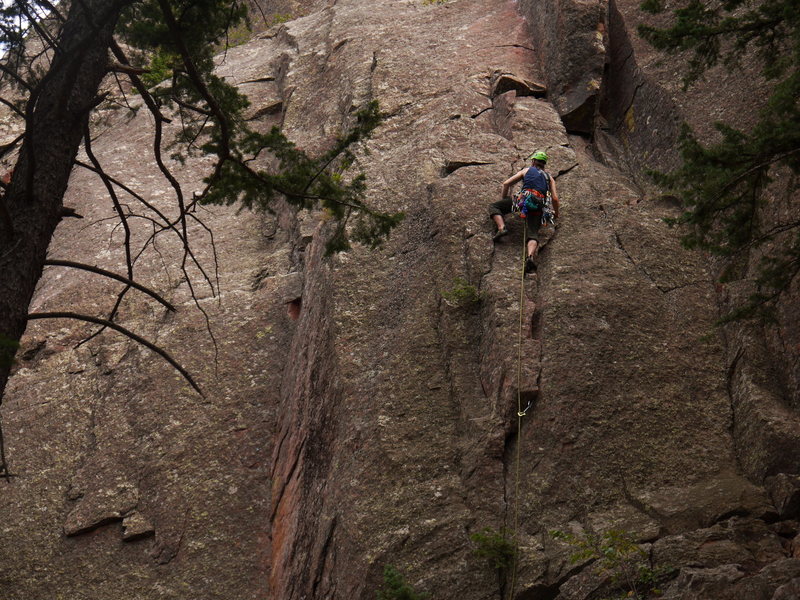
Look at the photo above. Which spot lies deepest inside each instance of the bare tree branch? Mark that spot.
(53, 262)
(16, 77)
(35, 21)
(87, 144)
(53, 10)
(126, 69)
(126, 332)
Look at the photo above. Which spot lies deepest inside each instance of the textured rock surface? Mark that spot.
(570, 39)
(353, 416)
(638, 108)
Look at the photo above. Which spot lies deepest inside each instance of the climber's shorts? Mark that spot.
(503, 207)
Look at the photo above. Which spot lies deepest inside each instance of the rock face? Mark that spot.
(358, 412)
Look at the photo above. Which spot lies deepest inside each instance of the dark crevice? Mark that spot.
(289, 476)
(729, 385)
(33, 352)
(509, 444)
(266, 79)
(270, 109)
(165, 553)
(479, 113)
(451, 167)
(536, 324)
(581, 134)
(643, 508)
(294, 308)
(95, 525)
(540, 592)
(508, 82)
(137, 537)
(324, 556)
(639, 86)
(515, 46)
(565, 171)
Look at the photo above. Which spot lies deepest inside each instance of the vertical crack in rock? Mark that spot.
(325, 559)
(287, 477)
(730, 385)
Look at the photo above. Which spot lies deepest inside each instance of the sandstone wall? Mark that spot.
(354, 416)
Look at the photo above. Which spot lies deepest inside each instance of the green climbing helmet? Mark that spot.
(538, 155)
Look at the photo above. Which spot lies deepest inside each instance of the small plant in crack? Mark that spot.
(621, 559)
(462, 294)
(498, 549)
(395, 587)
(435, 1)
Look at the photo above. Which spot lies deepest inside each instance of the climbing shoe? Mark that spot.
(500, 233)
(530, 266)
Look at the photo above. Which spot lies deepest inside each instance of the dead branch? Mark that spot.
(52, 262)
(87, 144)
(16, 77)
(35, 21)
(126, 332)
(117, 67)
(14, 108)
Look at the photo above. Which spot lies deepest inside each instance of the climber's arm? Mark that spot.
(554, 194)
(512, 180)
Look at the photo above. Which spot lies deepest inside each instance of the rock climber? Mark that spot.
(535, 184)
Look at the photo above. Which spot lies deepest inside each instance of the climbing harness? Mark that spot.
(528, 201)
(535, 203)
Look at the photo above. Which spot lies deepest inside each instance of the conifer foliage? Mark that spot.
(58, 63)
(180, 36)
(727, 185)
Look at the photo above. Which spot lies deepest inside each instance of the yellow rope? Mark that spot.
(520, 413)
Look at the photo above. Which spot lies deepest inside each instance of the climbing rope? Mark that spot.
(520, 413)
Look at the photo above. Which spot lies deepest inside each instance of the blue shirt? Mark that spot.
(535, 179)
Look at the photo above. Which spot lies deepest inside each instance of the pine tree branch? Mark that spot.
(754, 169)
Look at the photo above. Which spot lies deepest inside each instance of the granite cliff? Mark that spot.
(356, 414)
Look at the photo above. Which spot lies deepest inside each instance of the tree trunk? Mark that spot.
(57, 113)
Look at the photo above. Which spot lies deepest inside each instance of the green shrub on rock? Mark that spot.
(619, 557)
(499, 551)
(462, 294)
(395, 587)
